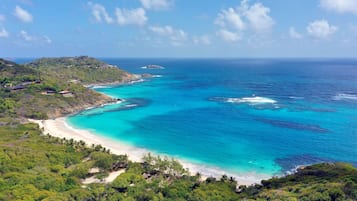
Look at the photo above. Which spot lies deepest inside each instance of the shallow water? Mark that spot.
(243, 116)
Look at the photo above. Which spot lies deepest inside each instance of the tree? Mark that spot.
(102, 160)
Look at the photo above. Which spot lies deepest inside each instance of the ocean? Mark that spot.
(242, 116)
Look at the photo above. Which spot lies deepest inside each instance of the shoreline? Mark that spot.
(106, 99)
(60, 128)
(132, 79)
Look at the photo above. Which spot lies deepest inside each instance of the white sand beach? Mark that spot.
(60, 128)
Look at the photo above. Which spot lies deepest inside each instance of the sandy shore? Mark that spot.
(60, 128)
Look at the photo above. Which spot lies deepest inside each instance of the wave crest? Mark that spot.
(345, 97)
(251, 100)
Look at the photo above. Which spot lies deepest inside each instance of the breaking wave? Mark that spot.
(251, 100)
(345, 97)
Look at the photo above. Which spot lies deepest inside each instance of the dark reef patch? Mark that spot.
(290, 163)
(294, 125)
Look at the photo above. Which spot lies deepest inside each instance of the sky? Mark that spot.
(178, 28)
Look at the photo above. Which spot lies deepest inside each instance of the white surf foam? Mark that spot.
(100, 87)
(113, 103)
(136, 81)
(296, 97)
(131, 105)
(343, 96)
(252, 100)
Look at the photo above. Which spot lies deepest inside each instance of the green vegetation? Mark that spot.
(326, 181)
(40, 167)
(35, 167)
(36, 90)
(85, 70)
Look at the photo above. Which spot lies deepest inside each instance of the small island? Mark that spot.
(151, 66)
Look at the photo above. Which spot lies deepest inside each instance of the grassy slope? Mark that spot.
(87, 70)
(326, 181)
(55, 76)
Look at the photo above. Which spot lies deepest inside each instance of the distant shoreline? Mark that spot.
(133, 77)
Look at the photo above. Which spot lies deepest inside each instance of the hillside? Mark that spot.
(85, 70)
(40, 167)
(13, 73)
(36, 91)
(326, 181)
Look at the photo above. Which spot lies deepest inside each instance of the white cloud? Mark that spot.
(294, 34)
(202, 40)
(3, 33)
(162, 30)
(35, 39)
(228, 35)
(177, 37)
(24, 35)
(340, 6)
(131, 17)
(230, 17)
(22, 14)
(156, 4)
(258, 16)
(100, 13)
(233, 22)
(321, 29)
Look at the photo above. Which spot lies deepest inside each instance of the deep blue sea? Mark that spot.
(241, 115)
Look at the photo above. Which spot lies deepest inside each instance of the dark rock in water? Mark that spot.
(294, 125)
(290, 163)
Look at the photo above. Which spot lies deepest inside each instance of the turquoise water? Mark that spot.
(242, 116)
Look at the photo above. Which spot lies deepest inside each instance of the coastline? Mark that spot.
(60, 128)
(129, 79)
(103, 101)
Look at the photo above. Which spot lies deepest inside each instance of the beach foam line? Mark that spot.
(251, 100)
(210, 171)
(60, 128)
(101, 87)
